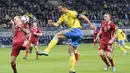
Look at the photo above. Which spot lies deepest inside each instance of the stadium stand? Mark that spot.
(42, 10)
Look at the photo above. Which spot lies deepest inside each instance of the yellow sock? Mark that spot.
(123, 49)
(127, 47)
(72, 62)
(51, 44)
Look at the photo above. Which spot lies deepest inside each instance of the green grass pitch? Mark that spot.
(58, 61)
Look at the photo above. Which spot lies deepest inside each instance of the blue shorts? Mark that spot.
(121, 42)
(75, 35)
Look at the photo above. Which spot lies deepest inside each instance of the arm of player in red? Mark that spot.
(38, 33)
(98, 35)
(114, 29)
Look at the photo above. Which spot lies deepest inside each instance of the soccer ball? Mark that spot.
(25, 19)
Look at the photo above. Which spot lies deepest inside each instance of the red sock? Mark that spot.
(14, 68)
(111, 61)
(103, 57)
(76, 56)
(27, 49)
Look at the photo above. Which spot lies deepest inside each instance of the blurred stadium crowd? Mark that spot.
(42, 10)
(46, 9)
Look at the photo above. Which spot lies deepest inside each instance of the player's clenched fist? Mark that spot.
(50, 22)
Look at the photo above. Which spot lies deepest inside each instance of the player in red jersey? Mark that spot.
(95, 33)
(33, 38)
(19, 40)
(108, 28)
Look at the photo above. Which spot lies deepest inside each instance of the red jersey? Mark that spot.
(34, 37)
(19, 35)
(108, 30)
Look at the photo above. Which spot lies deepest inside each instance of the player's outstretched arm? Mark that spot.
(87, 20)
(125, 37)
(50, 22)
(38, 34)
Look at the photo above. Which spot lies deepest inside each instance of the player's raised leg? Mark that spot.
(53, 42)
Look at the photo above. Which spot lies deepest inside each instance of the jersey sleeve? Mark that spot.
(102, 23)
(26, 26)
(61, 20)
(119, 31)
(73, 14)
(39, 30)
(113, 27)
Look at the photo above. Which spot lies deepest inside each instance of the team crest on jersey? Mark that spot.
(107, 28)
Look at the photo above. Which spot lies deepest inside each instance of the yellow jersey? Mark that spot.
(120, 34)
(70, 18)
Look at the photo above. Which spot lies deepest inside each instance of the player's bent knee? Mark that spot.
(70, 52)
(119, 45)
(109, 55)
(59, 35)
(55, 37)
(101, 53)
(12, 62)
(36, 47)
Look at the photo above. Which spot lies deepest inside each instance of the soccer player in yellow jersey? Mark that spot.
(71, 18)
(121, 40)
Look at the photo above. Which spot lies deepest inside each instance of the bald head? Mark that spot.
(17, 20)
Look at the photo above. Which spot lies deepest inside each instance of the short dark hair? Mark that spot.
(108, 14)
(63, 5)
